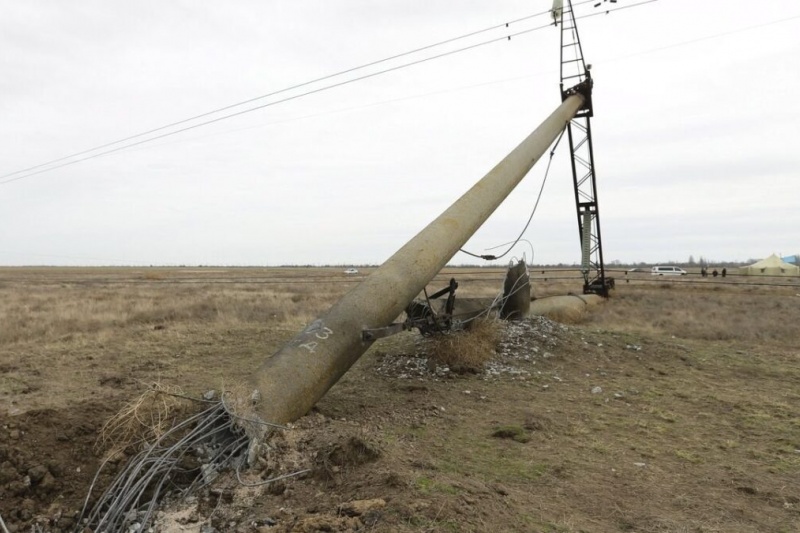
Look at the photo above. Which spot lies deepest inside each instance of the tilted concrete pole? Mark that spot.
(299, 374)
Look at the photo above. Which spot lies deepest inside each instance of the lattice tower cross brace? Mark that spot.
(576, 75)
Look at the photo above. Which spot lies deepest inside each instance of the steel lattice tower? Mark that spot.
(576, 75)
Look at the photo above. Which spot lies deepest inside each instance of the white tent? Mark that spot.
(771, 266)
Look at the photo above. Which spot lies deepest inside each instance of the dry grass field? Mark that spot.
(672, 407)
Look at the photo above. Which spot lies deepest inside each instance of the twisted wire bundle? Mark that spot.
(196, 448)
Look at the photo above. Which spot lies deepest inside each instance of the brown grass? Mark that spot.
(751, 314)
(44, 309)
(468, 350)
(695, 428)
(144, 419)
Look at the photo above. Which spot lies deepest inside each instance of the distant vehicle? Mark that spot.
(351, 271)
(667, 271)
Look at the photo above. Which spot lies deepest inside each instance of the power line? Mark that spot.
(280, 91)
(700, 39)
(63, 163)
(269, 104)
(358, 107)
(489, 257)
(487, 83)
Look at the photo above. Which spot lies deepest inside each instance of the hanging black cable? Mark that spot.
(489, 257)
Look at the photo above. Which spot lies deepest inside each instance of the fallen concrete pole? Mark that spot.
(290, 382)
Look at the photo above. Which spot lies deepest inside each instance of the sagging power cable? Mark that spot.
(489, 257)
(262, 106)
(63, 161)
(280, 91)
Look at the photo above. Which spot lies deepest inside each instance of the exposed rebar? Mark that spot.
(196, 448)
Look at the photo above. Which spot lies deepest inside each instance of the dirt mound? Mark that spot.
(47, 463)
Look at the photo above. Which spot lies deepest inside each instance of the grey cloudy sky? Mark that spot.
(695, 129)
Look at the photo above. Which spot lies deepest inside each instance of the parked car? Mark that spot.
(351, 271)
(667, 271)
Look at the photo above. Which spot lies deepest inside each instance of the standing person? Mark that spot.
(724, 272)
(703, 272)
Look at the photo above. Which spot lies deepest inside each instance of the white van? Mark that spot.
(667, 271)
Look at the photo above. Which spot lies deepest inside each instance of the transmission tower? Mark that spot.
(576, 77)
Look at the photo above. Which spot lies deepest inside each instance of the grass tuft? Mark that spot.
(466, 351)
(145, 419)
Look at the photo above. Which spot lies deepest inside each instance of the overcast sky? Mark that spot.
(696, 126)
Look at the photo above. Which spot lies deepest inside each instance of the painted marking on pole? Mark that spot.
(310, 346)
(324, 334)
(320, 333)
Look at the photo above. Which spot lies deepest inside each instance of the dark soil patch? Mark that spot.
(47, 463)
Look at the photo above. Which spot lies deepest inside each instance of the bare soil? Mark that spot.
(617, 423)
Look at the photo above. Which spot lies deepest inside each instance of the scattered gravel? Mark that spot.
(521, 345)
